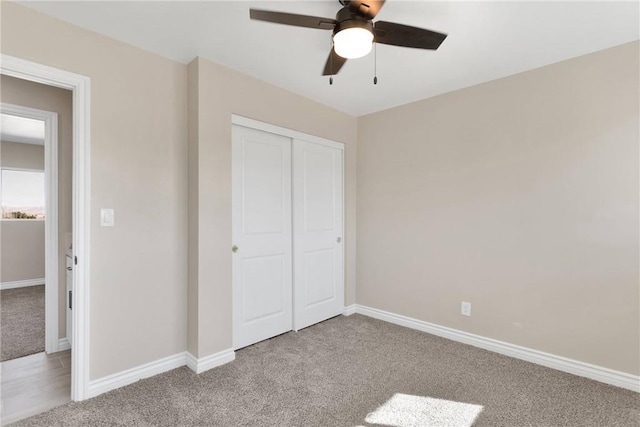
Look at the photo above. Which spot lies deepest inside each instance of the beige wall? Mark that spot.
(21, 156)
(22, 250)
(222, 92)
(519, 196)
(23, 241)
(138, 167)
(48, 98)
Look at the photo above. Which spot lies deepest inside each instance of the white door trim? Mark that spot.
(293, 134)
(80, 86)
(50, 120)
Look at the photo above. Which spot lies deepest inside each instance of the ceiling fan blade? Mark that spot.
(334, 63)
(293, 19)
(367, 9)
(404, 35)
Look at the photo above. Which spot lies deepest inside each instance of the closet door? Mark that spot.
(261, 231)
(318, 240)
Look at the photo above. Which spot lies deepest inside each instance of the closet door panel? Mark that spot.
(261, 231)
(318, 245)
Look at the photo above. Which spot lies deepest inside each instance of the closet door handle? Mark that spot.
(339, 239)
(234, 249)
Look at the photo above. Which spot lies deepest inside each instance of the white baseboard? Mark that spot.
(598, 373)
(129, 376)
(63, 344)
(349, 310)
(21, 284)
(209, 362)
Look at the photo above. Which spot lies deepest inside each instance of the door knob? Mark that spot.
(339, 239)
(234, 249)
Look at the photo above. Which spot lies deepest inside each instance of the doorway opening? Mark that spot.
(67, 254)
(29, 203)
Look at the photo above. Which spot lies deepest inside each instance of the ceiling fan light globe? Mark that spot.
(353, 42)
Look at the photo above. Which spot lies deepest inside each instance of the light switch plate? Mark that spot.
(465, 308)
(107, 217)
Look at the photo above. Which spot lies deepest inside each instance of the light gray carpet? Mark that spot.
(354, 371)
(21, 322)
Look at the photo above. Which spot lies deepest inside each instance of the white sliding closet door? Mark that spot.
(261, 231)
(318, 241)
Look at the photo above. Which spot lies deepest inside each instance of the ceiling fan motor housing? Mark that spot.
(346, 19)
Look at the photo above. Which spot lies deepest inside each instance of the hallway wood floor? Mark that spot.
(34, 384)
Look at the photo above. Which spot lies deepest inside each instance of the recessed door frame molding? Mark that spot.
(51, 256)
(293, 134)
(80, 87)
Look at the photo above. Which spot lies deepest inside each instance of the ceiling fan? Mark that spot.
(354, 32)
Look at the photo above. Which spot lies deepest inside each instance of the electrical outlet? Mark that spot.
(465, 308)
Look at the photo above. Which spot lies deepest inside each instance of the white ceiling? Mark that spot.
(487, 40)
(21, 129)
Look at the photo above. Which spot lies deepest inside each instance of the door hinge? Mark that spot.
(75, 260)
(70, 300)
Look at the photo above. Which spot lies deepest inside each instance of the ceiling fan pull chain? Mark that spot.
(331, 64)
(375, 63)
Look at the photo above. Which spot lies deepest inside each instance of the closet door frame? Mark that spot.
(293, 134)
(267, 127)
